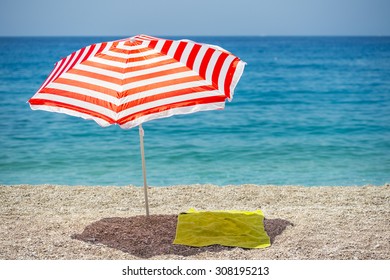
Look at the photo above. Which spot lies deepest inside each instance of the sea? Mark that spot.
(308, 111)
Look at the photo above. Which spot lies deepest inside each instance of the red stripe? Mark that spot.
(87, 86)
(180, 50)
(77, 58)
(119, 81)
(217, 69)
(149, 66)
(136, 90)
(88, 53)
(205, 62)
(102, 47)
(119, 50)
(96, 76)
(70, 59)
(166, 46)
(115, 108)
(103, 66)
(61, 68)
(128, 69)
(229, 76)
(155, 75)
(81, 97)
(53, 73)
(153, 44)
(206, 100)
(129, 59)
(160, 84)
(192, 55)
(164, 95)
(71, 107)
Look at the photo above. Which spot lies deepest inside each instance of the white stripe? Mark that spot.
(107, 47)
(86, 92)
(236, 77)
(159, 45)
(211, 66)
(153, 70)
(186, 52)
(131, 55)
(119, 44)
(129, 74)
(145, 44)
(174, 111)
(224, 70)
(199, 58)
(59, 71)
(99, 121)
(158, 79)
(75, 102)
(173, 48)
(96, 70)
(130, 48)
(129, 64)
(92, 81)
(218, 48)
(120, 88)
(94, 51)
(166, 101)
(44, 84)
(96, 47)
(138, 121)
(62, 67)
(83, 55)
(160, 90)
(73, 60)
(130, 98)
(107, 62)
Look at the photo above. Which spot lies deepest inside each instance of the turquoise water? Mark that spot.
(307, 111)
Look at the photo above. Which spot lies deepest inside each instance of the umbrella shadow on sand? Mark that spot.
(148, 237)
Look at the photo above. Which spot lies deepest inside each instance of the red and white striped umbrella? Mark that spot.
(134, 80)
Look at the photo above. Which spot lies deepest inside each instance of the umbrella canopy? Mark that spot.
(134, 80)
(138, 79)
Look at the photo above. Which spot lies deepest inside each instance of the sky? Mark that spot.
(194, 17)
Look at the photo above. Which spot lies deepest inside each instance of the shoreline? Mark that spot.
(44, 221)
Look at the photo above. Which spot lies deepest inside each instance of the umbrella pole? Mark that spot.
(141, 140)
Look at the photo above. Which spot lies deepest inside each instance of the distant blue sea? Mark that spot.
(307, 111)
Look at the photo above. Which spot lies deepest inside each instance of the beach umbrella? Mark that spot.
(138, 79)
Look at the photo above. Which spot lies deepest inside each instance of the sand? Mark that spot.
(78, 222)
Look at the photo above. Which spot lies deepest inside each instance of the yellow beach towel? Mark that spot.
(228, 228)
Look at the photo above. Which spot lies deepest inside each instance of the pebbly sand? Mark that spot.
(63, 222)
